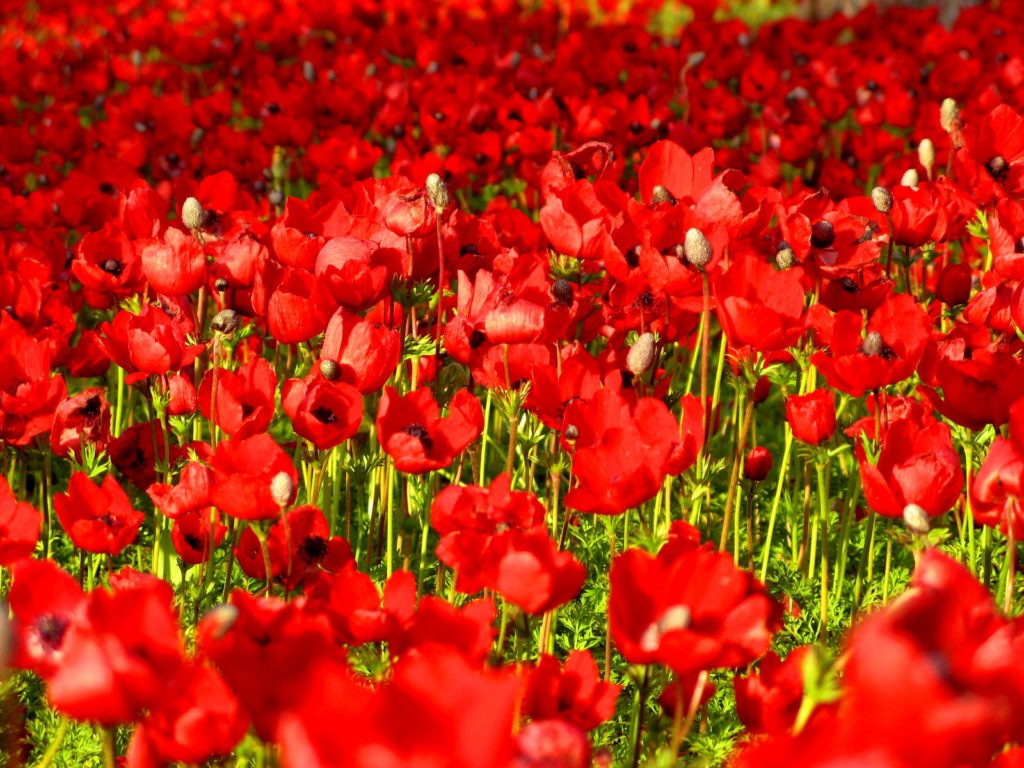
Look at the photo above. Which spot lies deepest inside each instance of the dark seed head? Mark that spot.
(822, 234)
(562, 291)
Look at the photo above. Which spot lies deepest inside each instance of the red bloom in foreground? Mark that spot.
(325, 413)
(84, 417)
(119, 659)
(437, 709)
(200, 718)
(689, 608)
(917, 465)
(531, 572)
(19, 525)
(244, 398)
(813, 416)
(413, 432)
(768, 700)
(887, 351)
(574, 693)
(98, 518)
(759, 305)
(997, 492)
(933, 679)
(175, 266)
(625, 448)
(300, 544)
(252, 477)
(45, 601)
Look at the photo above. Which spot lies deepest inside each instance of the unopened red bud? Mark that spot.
(762, 389)
(758, 464)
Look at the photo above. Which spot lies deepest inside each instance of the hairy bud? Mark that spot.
(282, 489)
(329, 369)
(926, 154)
(873, 344)
(661, 194)
(437, 192)
(192, 214)
(882, 199)
(641, 355)
(785, 257)
(948, 115)
(697, 248)
(916, 520)
(225, 321)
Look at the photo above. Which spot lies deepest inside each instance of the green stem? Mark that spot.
(821, 467)
(780, 484)
(737, 463)
(641, 703)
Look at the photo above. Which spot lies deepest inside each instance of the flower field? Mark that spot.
(390, 384)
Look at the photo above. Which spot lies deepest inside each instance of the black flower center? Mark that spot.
(51, 628)
(324, 415)
(420, 432)
(313, 549)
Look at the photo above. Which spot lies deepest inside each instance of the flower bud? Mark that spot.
(225, 321)
(873, 344)
(882, 199)
(641, 355)
(192, 214)
(910, 178)
(948, 114)
(926, 154)
(661, 194)
(916, 520)
(571, 432)
(697, 248)
(221, 284)
(758, 464)
(282, 489)
(784, 257)
(437, 192)
(329, 369)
